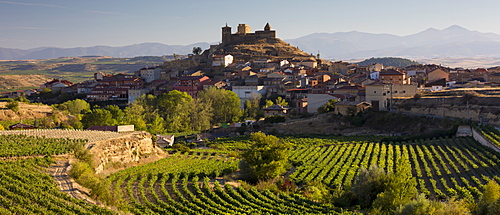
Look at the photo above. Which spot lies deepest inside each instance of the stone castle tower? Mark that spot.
(243, 34)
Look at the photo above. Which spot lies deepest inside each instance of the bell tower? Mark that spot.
(226, 35)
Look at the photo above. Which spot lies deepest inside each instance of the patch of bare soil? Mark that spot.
(26, 111)
(319, 124)
(8, 82)
(60, 171)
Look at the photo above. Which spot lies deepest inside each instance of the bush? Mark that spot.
(275, 119)
(13, 105)
(317, 191)
(180, 148)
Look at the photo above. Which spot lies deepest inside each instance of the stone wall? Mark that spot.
(479, 138)
(480, 109)
(128, 149)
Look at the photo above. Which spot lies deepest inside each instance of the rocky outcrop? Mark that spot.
(126, 150)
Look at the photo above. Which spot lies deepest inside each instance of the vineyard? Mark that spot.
(194, 183)
(22, 145)
(181, 184)
(443, 167)
(26, 189)
(90, 136)
(490, 133)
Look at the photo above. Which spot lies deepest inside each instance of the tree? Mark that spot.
(368, 183)
(133, 115)
(252, 109)
(200, 115)
(281, 101)
(488, 201)
(157, 125)
(225, 104)
(401, 187)
(197, 50)
(75, 107)
(328, 106)
(97, 117)
(117, 115)
(265, 159)
(174, 107)
(45, 91)
(268, 103)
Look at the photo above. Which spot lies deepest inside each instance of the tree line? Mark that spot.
(174, 111)
(170, 112)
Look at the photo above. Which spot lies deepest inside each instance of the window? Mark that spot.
(396, 91)
(375, 92)
(404, 91)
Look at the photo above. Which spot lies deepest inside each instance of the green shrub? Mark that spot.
(275, 119)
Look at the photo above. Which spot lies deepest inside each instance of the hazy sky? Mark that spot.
(80, 23)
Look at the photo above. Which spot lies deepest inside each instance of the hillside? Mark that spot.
(14, 82)
(263, 48)
(28, 74)
(389, 61)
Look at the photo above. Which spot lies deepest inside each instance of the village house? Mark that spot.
(56, 85)
(437, 74)
(276, 110)
(21, 126)
(18, 93)
(85, 87)
(436, 85)
(318, 83)
(300, 105)
(311, 63)
(164, 141)
(352, 93)
(248, 92)
(260, 63)
(114, 87)
(314, 101)
(380, 94)
(191, 84)
(149, 74)
(393, 76)
(222, 60)
(493, 77)
(349, 108)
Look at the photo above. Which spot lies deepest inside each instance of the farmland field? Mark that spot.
(26, 186)
(199, 182)
(443, 167)
(184, 184)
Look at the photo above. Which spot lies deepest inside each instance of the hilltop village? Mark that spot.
(254, 125)
(260, 64)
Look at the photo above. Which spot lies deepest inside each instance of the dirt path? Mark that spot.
(60, 172)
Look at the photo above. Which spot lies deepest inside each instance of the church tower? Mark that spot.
(267, 27)
(226, 35)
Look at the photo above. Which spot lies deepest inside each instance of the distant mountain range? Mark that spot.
(454, 41)
(143, 49)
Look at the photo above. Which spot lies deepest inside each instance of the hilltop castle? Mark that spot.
(243, 34)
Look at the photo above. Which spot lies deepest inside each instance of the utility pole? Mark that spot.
(390, 104)
(468, 111)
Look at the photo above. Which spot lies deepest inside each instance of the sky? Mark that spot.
(26, 24)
